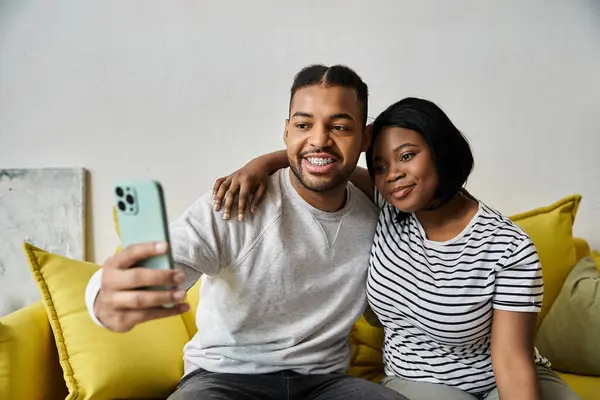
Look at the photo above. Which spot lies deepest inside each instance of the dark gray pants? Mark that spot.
(204, 385)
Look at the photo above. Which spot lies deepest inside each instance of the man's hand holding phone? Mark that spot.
(120, 304)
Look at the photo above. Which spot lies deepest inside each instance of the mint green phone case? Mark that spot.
(142, 218)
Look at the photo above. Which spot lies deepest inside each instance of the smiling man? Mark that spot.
(322, 145)
(285, 287)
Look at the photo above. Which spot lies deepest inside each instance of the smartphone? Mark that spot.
(142, 218)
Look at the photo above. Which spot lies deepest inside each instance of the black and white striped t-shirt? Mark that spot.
(435, 299)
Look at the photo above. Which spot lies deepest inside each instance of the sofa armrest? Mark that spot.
(29, 366)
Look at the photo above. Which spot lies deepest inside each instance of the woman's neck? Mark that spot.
(448, 221)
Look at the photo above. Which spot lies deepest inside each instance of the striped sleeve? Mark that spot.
(519, 283)
(379, 200)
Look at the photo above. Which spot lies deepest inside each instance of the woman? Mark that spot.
(456, 285)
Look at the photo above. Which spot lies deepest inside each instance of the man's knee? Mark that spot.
(193, 392)
(200, 386)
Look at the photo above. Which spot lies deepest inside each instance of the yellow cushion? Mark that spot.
(27, 349)
(582, 248)
(146, 362)
(117, 228)
(551, 230)
(367, 360)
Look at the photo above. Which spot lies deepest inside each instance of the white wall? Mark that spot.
(185, 91)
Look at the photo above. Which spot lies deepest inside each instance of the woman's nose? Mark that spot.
(395, 173)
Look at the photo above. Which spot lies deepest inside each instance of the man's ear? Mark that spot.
(285, 131)
(366, 139)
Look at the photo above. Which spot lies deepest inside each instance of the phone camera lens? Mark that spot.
(122, 206)
(119, 192)
(129, 199)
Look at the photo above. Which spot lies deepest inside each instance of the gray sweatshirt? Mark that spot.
(281, 290)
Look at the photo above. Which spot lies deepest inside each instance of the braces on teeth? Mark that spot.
(320, 161)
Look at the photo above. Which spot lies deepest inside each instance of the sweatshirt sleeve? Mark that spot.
(201, 241)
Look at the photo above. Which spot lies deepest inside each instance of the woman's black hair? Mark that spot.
(449, 148)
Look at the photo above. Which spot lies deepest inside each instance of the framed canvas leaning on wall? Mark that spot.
(44, 207)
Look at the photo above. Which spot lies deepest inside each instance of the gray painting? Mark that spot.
(45, 207)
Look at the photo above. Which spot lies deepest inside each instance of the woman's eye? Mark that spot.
(407, 156)
(379, 169)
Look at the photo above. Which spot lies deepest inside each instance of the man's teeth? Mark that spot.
(320, 161)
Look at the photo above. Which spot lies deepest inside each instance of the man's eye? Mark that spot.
(339, 128)
(407, 156)
(301, 126)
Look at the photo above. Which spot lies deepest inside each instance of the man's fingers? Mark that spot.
(245, 190)
(135, 253)
(218, 197)
(141, 277)
(217, 185)
(143, 299)
(231, 193)
(258, 196)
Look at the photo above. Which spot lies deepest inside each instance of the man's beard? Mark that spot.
(319, 186)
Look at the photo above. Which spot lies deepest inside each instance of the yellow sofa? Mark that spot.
(28, 353)
(30, 368)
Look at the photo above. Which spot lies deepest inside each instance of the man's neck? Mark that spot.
(329, 201)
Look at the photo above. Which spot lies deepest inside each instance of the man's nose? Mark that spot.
(319, 137)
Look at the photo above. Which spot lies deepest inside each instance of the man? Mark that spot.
(283, 289)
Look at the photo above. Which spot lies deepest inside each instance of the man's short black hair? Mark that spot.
(336, 75)
(449, 148)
